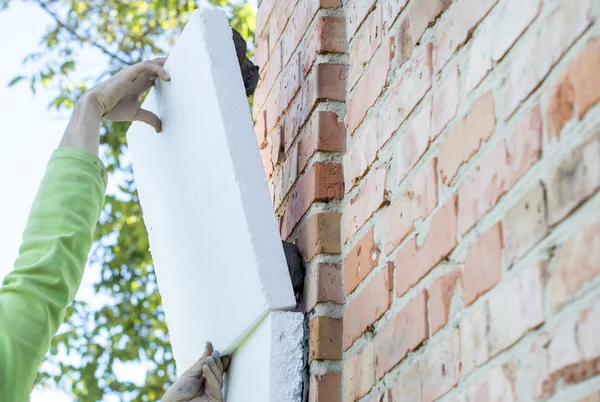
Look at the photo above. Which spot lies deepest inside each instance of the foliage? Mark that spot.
(130, 326)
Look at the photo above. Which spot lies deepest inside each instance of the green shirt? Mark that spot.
(56, 243)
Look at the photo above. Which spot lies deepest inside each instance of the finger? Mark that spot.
(157, 69)
(213, 386)
(148, 118)
(212, 364)
(217, 356)
(226, 362)
(160, 61)
(196, 369)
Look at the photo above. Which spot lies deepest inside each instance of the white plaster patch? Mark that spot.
(213, 234)
(268, 366)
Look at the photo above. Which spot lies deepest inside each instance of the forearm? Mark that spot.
(83, 130)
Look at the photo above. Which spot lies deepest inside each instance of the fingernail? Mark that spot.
(216, 355)
(168, 77)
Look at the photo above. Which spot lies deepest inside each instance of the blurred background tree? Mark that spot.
(128, 327)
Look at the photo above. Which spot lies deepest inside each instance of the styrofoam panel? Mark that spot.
(213, 234)
(268, 366)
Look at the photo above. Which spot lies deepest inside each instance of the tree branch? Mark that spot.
(79, 36)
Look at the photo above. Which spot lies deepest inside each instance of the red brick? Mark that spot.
(412, 144)
(325, 341)
(578, 87)
(360, 261)
(497, 34)
(323, 284)
(483, 265)
(325, 387)
(365, 45)
(473, 339)
(441, 293)
(405, 332)
(525, 224)
(260, 130)
(568, 353)
(289, 126)
(445, 102)
(262, 15)
(320, 234)
(322, 182)
(534, 59)
(500, 170)
(440, 367)
(405, 95)
(368, 306)
(359, 374)
(391, 9)
(498, 385)
(516, 308)
(455, 26)
(285, 176)
(369, 87)
(278, 21)
(361, 153)
(324, 132)
(356, 11)
(407, 385)
(371, 196)
(325, 82)
(466, 137)
(268, 76)
(416, 202)
(284, 90)
(327, 36)
(575, 263)
(413, 262)
(575, 178)
(296, 27)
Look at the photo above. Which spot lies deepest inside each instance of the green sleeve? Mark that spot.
(56, 243)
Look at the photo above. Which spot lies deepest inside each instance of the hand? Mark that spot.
(117, 98)
(203, 382)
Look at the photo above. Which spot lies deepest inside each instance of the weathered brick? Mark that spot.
(327, 36)
(262, 15)
(368, 306)
(323, 284)
(534, 59)
(325, 82)
(260, 129)
(279, 19)
(371, 196)
(322, 182)
(269, 73)
(440, 367)
(369, 87)
(405, 95)
(320, 234)
(413, 262)
(524, 224)
(325, 387)
(404, 333)
(325, 341)
(391, 9)
(365, 45)
(360, 261)
(324, 132)
(416, 202)
(407, 386)
(361, 153)
(418, 17)
(283, 92)
(575, 262)
(516, 308)
(500, 170)
(412, 144)
(453, 30)
(466, 137)
(285, 176)
(445, 102)
(483, 265)
(568, 353)
(473, 339)
(498, 385)
(441, 293)
(359, 374)
(579, 87)
(573, 180)
(497, 34)
(356, 11)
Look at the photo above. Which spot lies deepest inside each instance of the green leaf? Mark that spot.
(15, 80)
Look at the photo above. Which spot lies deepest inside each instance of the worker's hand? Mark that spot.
(117, 98)
(203, 382)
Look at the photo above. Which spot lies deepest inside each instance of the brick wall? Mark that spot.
(438, 164)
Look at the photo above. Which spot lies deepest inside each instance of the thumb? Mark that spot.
(148, 117)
